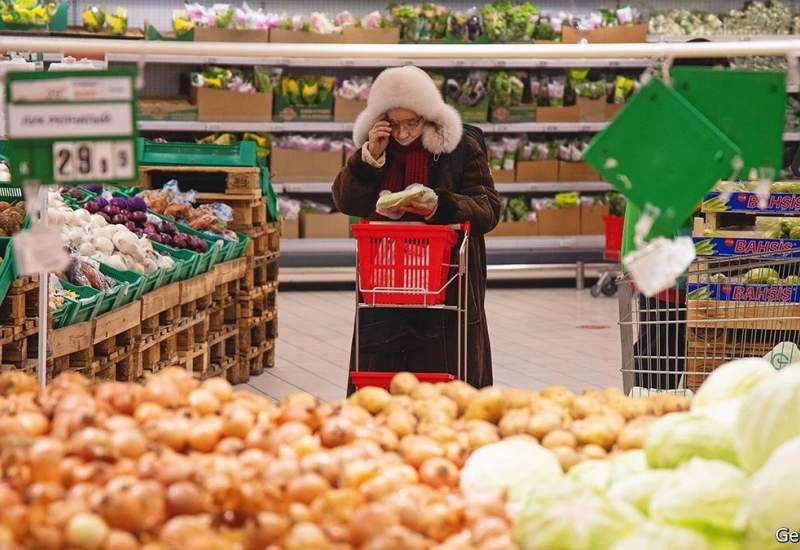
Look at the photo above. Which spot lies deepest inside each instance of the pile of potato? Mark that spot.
(179, 464)
(458, 418)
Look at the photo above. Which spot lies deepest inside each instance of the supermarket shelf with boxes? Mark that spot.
(317, 188)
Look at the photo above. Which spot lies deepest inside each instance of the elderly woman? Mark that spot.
(408, 135)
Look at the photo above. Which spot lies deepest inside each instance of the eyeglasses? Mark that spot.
(407, 125)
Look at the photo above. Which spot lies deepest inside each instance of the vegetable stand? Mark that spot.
(408, 265)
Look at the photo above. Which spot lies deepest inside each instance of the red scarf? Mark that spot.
(406, 164)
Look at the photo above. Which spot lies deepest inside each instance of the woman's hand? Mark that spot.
(379, 138)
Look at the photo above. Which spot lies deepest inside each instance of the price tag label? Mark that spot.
(348, 62)
(92, 161)
(614, 63)
(551, 128)
(459, 63)
(39, 250)
(500, 63)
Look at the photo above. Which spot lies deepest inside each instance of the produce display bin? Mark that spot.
(61, 316)
(7, 268)
(241, 246)
(111, 299)
(186, 260)
(152, 281)
(86, 304)
(132, 280)
(383, 380)
(196, 154)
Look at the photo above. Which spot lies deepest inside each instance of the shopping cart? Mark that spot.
(411, 265)
(607, 281)
(724, 309)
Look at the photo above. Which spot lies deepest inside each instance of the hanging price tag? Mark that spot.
(39, 250)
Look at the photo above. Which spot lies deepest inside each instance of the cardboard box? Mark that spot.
(592, 219)
(208, 34)
(577, 171)
(346, 110)
(537, 170)
(324, 226)
(515, 229)
(474, 114)
(559, 221)
(229, 106)
(592, 110)
(514, 113)
(286, 112)
(290, 229)
(612, 109)
(503, 176)
(608, 35)
(360, 35)
(293, 165)
(302, 37)
(179, 108)
(558, 114)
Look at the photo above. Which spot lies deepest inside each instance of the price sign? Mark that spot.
(72, 127)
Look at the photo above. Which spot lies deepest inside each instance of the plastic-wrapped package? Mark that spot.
(117, 21)
(345, 19)
(496, 153)
(289, 208)
(356, 87)
(220, 16)
(510, 146)
(320, 23)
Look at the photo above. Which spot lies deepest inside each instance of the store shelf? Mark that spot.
(381, 64)
(516, 187)
(680, 38)
(499, 251)
(279, 127)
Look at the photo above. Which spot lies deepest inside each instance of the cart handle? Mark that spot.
(463, 226)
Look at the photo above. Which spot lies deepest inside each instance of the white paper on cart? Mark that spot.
(783, 355)
(658, 265)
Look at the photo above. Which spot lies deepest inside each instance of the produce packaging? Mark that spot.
(24, 13)
(305, 98)
(466, 26)
(421, 23)
(469, 95)
(508, 98)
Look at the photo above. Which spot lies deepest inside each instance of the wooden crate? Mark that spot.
(227, 278)
(259, 358)
(261, 270)
(223, 350)
(212, 180)
(160, 311)
(239, 373)
(20, 308)
(254, 331)
(71, 348)
(197, 294)
(115, 336)
(258, 301)
(249, 211)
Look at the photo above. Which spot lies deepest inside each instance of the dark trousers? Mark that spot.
(660, 352)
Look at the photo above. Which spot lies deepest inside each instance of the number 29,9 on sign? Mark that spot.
(92, 160)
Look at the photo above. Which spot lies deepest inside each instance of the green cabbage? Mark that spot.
(704, 494)
(768, 416)
(638, 489)
(654, 536)
(678, 437)
(510, 468)
(774, 500)
(732, 381)
(565, 516)
(599, 475)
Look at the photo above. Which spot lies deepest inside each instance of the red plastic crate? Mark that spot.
(404, 261)
(383, 380)
(613, 244)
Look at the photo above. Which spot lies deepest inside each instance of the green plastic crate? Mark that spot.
(87, 303)
(196, 154)
(172, 274)
(111, 299)
(186, 259)
(152, 281)
(240, 247)
(7, 268)
(131, 280)
(225, 250)
(61, 316)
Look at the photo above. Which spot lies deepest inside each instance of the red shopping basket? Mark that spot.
(403, 264)
(383, 380)
(613, 245)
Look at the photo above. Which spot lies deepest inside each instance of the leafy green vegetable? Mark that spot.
(704, 494)
(638, 489)
(678, 437)
(655, 536)
(761, 275)
(566, 200)
(732, 380)
(768, 416)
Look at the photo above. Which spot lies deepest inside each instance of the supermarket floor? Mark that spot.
(540, 337)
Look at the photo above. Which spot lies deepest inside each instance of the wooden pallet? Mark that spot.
(261, 270)
(197, 294)
(249, 210)
(254, 331)
(227, 277)
(157, 352)
(259, 358)
(258, 301)
(20, 308)
(240, 372)
(115, 336)
(223, 350)
(21, 352)
(160, 311)
(71, 348)
(195, 360)
(223, 313)
(212, 180)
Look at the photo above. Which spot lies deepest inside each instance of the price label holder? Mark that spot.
(72, 127)
(66, 128)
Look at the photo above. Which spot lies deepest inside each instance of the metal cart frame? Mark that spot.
(460, 277)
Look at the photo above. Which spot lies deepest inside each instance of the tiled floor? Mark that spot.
(539, 337)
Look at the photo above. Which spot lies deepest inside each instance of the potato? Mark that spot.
(516, 398)
(438, 432)
(630, 408)
(567, 456)
(435, 408)
(592, 452)
(543, 423)
(541, 404)
(403, 383)
(595, 430)
(584, 405)
(401, 422)
(402, 402)
(487, 405)
(559, 438)
(559, 394)
(665, 403)
(483, 435)
(425, 390)
(514, 422)
(634, 434)
(371, 398)
(460, 392)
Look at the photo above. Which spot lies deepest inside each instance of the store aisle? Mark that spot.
(540, 337)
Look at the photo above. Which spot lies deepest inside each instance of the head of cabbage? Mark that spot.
(678, 437)
(566, 516)
(732, 381)
(601, 474)
(656, 536)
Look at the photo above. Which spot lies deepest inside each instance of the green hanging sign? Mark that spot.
(747, 106)
(663, 155)
(72, 127)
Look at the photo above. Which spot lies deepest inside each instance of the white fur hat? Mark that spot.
(411, 88)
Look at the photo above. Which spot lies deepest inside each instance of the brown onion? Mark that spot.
(230, 446)
(416, 449)
(371, 520)
(237, 420)
(185, 497)
(488, 527)
(203, 401)
(306, 536)
(306, 487)
(120, 540)
(41, 537)
(205, 434)
(439, 473)
(336, 431)
(87, 531)
(148, 411)
(90, 443)
(220, 387)
(34, 423)
(128, 443)
(267, 528)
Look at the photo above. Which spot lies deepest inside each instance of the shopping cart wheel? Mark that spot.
(595, 290)
(610, 287)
